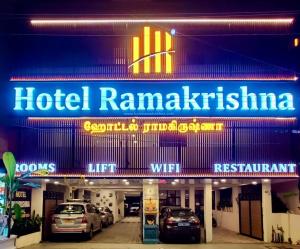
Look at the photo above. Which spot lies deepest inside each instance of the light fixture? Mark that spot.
(91, 183)
(173, 183)
(56, 182)
(124, 180)
(127, 183)
(86, 180)
(223, 180)
(266, 180)
(198, 21)
(216, 183)
(254, 182)
(176, 180)
(47, 180)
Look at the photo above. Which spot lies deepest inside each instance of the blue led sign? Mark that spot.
(154, 98)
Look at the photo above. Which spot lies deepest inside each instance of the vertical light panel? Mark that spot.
(157, 50)
(168, 55)
(136, 54)
(146, 49)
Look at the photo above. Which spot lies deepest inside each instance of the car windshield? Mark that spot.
(70, 209)
(182, 212)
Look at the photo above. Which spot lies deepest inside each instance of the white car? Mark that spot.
(76, 218)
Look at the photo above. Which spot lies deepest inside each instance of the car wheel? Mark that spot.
(90, 233)
(197, 238)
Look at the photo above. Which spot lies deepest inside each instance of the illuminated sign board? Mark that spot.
(102, 167)
(165, 168)
(255, 168)
(95, 127)
(153, 98)
(35, 167)
(155, 45)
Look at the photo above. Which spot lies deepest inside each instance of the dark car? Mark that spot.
(179, 223)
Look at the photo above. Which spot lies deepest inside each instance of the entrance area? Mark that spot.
(231, 208)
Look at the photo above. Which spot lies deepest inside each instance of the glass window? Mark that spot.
(70, 209)
(182, 212)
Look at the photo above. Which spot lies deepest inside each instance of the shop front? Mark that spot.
(141, 142)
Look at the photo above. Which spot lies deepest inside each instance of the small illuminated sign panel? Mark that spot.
(158, 168)
(102, 168)
(157, 98)
(35, 166)
(255, 168)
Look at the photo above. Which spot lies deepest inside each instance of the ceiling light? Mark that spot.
(223, 180)
(173, 183)
(91, 183)
(176, 180)
(254, 182)
(86, 180)
(124, 180)
(47, 180)
(56, 182)
(266, 180)
(216, 182)
(127, 183)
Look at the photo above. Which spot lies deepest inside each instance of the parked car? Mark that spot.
(177, 222)
(106, 215)
(134, 209)
(76, 218)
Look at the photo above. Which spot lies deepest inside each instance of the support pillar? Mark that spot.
(150, 211)
(192, 203)
(37, 196)
(267, 210)
(182, 197)
(236, 190)
(208, 210)
(80, 193)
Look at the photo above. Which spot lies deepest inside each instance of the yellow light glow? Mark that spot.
(136, 54)
(157, 50)
(168, 55)
(146, 49)
(296, 42)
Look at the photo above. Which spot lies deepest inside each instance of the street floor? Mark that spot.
(89, 245)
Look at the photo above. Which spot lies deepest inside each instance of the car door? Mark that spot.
(97, 217)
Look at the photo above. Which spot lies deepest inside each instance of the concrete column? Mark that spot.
(192, 203)
(80, 193)
(236, 190)
(182, 197)
(267, 210)
(150, 202)
(68, 193)
(37, 199)
(208, 210)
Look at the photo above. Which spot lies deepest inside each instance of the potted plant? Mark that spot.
(27, 230)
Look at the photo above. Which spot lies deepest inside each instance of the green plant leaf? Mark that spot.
(10, 164)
